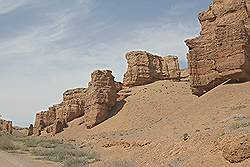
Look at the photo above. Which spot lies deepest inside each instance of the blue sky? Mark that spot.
(48, 46)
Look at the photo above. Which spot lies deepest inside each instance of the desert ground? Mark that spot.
(163, 124)
(19, 160)
(158, 125)
(160, 115)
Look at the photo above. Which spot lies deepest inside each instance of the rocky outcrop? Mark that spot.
(58, 126)
(237, 150)
(93, 103)
(6, 126)
(100, 97)
(221, 52)
(145, 68)
(30, 130)
(43, 119)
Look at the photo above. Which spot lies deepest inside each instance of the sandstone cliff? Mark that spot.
(94, 103)
(145, 68)
(221, 52)
(6, 126)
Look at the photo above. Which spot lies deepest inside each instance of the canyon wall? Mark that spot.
(221, 52)
(93, 103)
(145, 68)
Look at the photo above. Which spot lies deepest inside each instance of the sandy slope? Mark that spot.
(149, 129)
(19, 160)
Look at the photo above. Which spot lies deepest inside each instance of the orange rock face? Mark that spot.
(6, 126)
(221, 52)
(145, 68)
(94, 103)
(100, 97)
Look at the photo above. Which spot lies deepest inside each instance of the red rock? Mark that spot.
(100, 98)
(58, 126)
(145, 68)
(6, 126)
(221, 52)
(94, 103)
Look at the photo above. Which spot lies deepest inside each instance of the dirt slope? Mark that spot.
(163, 124)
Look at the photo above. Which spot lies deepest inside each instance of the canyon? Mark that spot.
(162, 115)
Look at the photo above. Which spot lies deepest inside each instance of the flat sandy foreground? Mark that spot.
(22, 160)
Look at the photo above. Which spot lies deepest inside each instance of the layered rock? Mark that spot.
(221, 52)
(145, 68)
(43, 119)
(93, 103)
(100, 97)
(6, 126)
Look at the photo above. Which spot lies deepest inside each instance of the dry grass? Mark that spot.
(121, 163)
(6, 144)
(53, 150)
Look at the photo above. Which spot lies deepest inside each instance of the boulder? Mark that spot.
(145, 68)
(6, 126)
(221, 52)
(237, 150)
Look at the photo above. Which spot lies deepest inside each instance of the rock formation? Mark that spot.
(30, 130)
(237, 150)
(93, 103)
(221, 52)
(6, 126)
(145, 68)
(100, 97)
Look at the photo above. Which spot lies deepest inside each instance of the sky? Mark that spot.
(49, 46)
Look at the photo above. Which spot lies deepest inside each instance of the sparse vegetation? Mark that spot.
(176, 162)
(237, 121)
(238, 125)
(121, 163)
(53, 150)
(239, 107)
(6, 144)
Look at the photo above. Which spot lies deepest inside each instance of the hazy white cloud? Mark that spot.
(40, 42)
(7, 6)
(70, 40)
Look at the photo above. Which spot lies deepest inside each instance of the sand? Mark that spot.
(21, 160)
(150, 127)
